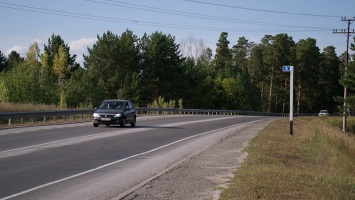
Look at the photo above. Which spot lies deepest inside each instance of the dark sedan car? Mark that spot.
(115, 111)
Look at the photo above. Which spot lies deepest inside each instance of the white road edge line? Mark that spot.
(118, 161)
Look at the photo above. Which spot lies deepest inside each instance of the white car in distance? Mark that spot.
(323, 113)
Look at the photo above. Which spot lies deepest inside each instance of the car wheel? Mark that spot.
(96, 125)
(123, 123)
(107, 124)
(133, 124)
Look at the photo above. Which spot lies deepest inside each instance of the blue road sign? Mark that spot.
(286, 68)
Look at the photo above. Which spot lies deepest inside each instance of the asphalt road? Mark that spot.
(78, 161)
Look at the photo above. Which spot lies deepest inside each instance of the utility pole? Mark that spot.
(347, 32)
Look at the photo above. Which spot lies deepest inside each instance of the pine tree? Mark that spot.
(3, 62)
(223, 56)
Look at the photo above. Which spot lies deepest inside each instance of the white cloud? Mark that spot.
(22, 50)
(79, 47)
(81, 44)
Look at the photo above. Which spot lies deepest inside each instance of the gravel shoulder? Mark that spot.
(204, 175)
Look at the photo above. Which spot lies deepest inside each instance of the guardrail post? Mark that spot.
(21, 120)
(64, 117)
(9, 121)
(55, 118)
(44, 119)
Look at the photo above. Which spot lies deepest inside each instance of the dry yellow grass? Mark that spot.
(25, 107)
(318, 162)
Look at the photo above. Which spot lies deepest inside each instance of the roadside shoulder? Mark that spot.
(204, 175)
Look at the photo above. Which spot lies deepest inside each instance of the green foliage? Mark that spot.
(180, 104)
(231, 93)
(60, 64)
(308, 59)
(62, 101)
(241, 52)
(33, 56)
(14, 59)
(162, 67)
(3, 90)
(329, 76)
(161, 103)
(349, 79)
(3, 62)
(114, 59)
(52, 50)
(29, 82)
(21, 83)
(84, 89)
(223, 55)
(349, 82)
(247, 76)
(278, 51)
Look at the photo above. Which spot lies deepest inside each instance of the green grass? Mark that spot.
(318, 162)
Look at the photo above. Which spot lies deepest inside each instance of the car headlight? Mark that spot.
(96, 115)
(118, 115)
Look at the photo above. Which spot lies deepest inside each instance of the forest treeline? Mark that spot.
(241, 76)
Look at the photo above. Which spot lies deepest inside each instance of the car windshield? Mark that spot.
(112, 105)
(323, 111)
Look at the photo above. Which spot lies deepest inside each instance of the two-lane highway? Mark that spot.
(79, 161)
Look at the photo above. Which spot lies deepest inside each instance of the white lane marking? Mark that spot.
(16, 130)
(76, 140)
(118, 161)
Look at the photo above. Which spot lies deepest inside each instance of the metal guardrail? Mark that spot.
(43, 115)
(140, 111)
(179, 111)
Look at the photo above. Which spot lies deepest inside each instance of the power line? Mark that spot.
(59, 12)
(128, 21)
(261, 10)
(195, 15)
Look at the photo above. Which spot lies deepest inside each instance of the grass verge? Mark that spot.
(27, 107)
(318, 162)
(49, 121)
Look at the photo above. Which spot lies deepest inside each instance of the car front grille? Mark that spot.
(107, 115)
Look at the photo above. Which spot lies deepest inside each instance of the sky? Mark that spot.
(80, 22)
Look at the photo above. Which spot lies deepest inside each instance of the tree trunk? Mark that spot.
(270, 89)
(285, 97)
(262, 95)
(299, 95)
(242, 60)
